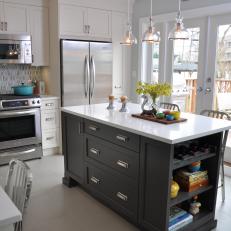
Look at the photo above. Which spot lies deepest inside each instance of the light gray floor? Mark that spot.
(54, 207)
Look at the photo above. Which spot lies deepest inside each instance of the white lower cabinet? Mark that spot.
(50, 121)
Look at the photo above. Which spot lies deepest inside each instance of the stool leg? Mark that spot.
(223, 179)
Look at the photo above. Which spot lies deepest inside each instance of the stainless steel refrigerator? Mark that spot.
(86, 72)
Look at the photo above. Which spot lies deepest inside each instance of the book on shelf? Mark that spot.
(176, 212)
(181, 223)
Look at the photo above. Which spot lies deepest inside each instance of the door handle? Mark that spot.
(208, 90)
(92, 84)
(122, 164)
(86, 76)
(2, 26)
(95, 151)
(199, 89)
(122, 196)
(5, 26)
(95, 180)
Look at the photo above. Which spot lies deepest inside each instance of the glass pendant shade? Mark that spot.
(151, 36)
(179, 32)
(129, 39)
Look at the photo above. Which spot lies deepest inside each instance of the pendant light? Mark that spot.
(179, 32)
(151, 36)
(129, 39)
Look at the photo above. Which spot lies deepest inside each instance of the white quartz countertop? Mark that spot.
(196, 126)
(9, 214)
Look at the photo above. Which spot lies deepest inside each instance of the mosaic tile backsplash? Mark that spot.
(13, 75)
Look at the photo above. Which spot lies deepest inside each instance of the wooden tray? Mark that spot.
(162, 121)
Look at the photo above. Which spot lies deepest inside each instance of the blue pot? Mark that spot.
(23, 89)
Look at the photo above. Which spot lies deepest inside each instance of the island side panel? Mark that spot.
(155, 178)
(73, 149)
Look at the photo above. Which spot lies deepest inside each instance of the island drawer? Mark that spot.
(120, 192)
(114, 156)
(116, 136)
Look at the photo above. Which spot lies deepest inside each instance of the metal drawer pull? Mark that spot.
(49, 104)
(50, 119)
(122, 164)
(93, 128)
(122, 138)
(50, 138)
(95, 151)
(122, 196)
(95, 180)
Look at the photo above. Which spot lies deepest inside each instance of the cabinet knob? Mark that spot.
(122, 138)
(122, 164)
(95, 180)
(95, 151)
(122, 196)
(93, 128)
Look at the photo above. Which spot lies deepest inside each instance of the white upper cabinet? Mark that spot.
(99, 22)
(14, 18)
(72, 20)
(39, 30)
(84, 22)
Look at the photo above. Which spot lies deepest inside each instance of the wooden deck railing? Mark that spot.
(222, 86)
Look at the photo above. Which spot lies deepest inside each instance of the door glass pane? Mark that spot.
(14, 128)
(185, 71)
(223, 72)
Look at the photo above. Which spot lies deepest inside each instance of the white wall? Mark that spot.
(142, 9)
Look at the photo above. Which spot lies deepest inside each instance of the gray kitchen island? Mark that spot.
(128, 163)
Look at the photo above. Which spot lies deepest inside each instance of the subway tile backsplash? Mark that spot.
(13, 75)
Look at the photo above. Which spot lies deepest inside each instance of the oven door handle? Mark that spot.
(6, 154)
(17, 113)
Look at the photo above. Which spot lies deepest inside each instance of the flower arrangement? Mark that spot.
(154, 90)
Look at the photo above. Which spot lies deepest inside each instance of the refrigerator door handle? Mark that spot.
(92, 85)
(86, 76)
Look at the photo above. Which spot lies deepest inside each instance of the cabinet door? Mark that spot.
(100, 23)
(72, 20)
(73, 146)
(15, 18)
(40, 35)
(121, 56)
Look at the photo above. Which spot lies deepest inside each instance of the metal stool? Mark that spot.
(170, 106)
(220, 115)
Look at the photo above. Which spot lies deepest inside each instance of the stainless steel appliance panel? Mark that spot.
(22, 153)
(75, 72)
(20, 128)
(15, 49)
(100, 72)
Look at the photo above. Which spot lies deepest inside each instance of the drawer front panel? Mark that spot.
(116, 136)
(50, 104)
(118, 189)
(50, 138)
(118, 158)
(50, 120)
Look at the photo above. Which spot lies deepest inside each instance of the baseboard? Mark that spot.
(51, 151)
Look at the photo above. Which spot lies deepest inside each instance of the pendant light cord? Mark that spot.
(151, 13)
(128, 12)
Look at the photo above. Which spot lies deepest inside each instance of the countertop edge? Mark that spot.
(141, 133)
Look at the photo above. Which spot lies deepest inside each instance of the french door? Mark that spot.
(218, 87)
(185, 71)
